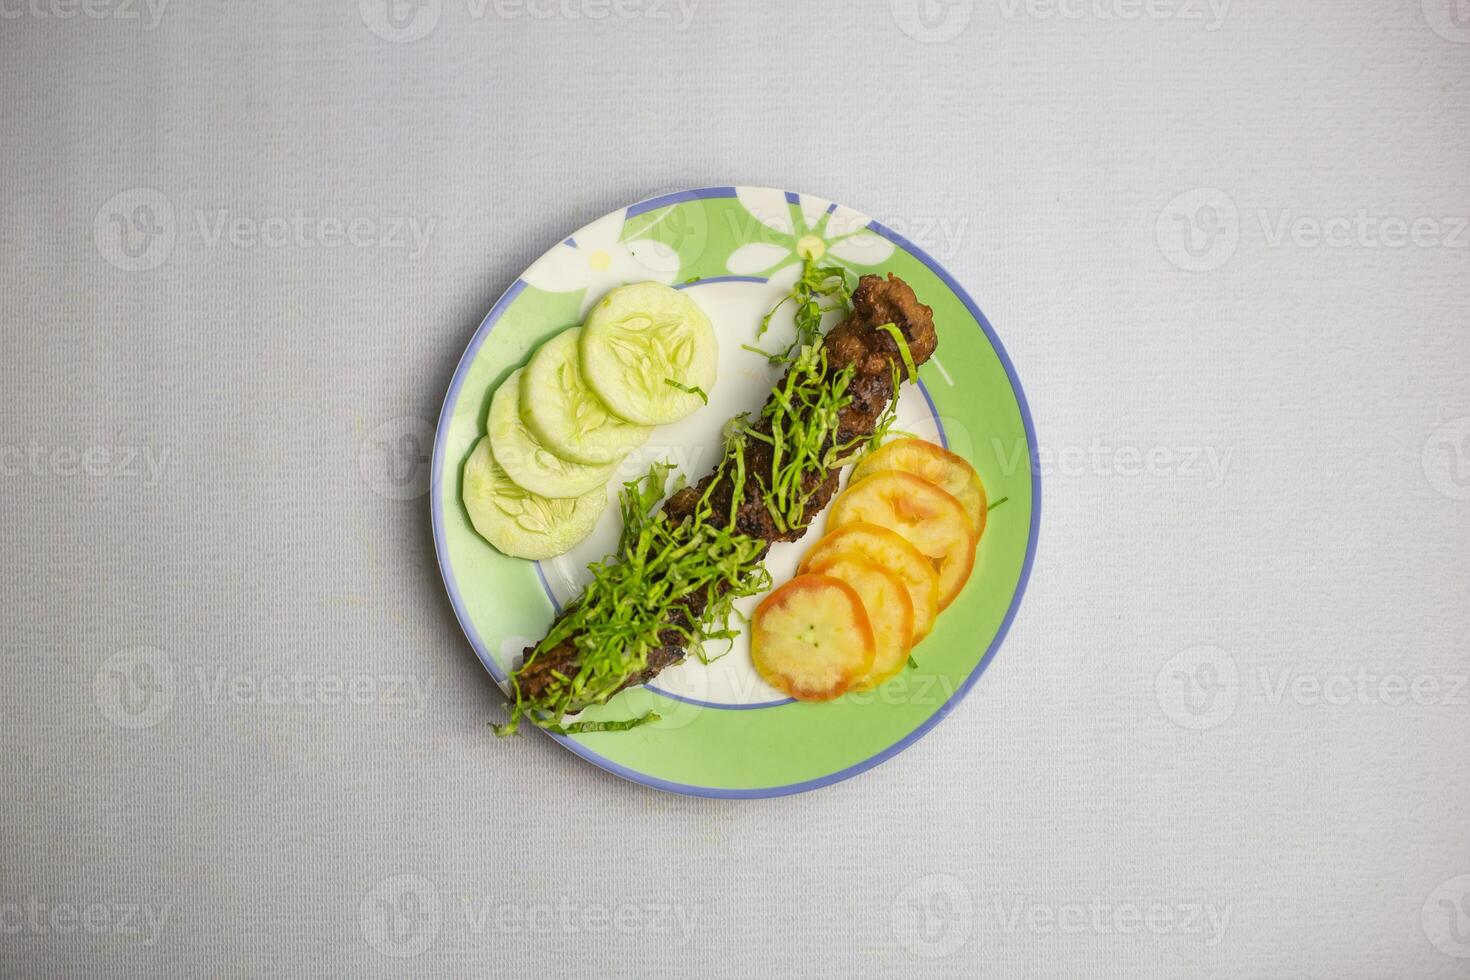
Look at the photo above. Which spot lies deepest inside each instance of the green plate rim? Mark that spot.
(451, 398)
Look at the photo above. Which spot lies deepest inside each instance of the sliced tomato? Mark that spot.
(890, 613)
(931, 520)
(811, 638)
(888, 549)
(951, 473)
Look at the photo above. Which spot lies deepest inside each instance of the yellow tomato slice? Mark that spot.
(811, 638)
(890, 613)
(888, 549)
(951, 473)
(931, 520)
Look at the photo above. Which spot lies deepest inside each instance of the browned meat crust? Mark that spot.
(873, 354)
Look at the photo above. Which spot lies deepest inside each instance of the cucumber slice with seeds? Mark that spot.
(530, 464)
(565, 415)
(519, 523)
(644, 347)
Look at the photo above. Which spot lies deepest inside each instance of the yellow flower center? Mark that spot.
(599, 260)
(811, 247)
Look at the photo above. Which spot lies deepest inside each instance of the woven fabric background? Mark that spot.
(242, 246)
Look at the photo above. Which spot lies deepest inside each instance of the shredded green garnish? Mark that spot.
(638, 598)
(912, 662)
(688, 389)
(996, 504)
(817, 283)
(801, 422)
(732, 465)
(903, 349)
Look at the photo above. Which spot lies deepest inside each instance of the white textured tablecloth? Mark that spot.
(242, 245)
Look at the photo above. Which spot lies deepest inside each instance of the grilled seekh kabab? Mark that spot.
(679, 568)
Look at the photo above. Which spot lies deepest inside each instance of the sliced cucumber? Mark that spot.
(530, 464)
(643, 348)
(519, 523)
(565, 415)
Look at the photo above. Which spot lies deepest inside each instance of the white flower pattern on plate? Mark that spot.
(597, 260)
(825, 231)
